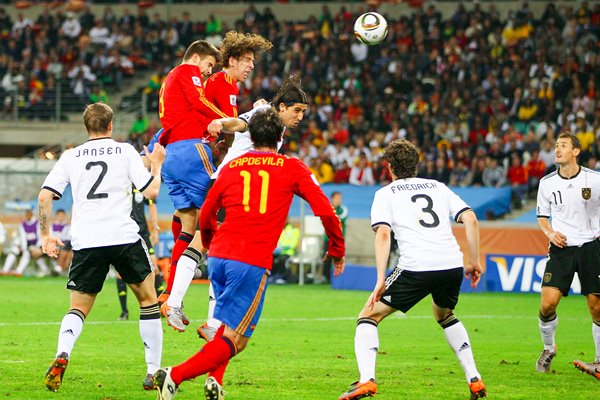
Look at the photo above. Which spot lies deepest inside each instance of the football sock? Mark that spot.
(548, 329)
(182, 242)
(366, 345)
(210, 356)
(220, 370)
(23, 262)
(458, 339)
(212, 302)
(41, 263)
(8, 263)
(152, 336)
(596, 336)
(70, 329)
(186, 266)
(122, 292)
(176, 226)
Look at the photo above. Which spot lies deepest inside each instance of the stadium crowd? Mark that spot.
(482, 96)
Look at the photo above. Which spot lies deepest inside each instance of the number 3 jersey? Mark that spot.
(100, 172)
(573, 204)
(418, 211)
(256, 190)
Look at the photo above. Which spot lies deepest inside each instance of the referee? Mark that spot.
(571, 196)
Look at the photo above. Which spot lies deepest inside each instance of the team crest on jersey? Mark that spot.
(547, 277)
(197, 81)
(586, 193)
(232, 99)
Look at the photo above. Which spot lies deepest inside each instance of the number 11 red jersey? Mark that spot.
(256, 190)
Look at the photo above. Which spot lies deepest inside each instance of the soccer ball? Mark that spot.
(370, 28)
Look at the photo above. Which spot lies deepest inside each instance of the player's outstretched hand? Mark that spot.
(558, 239)
(339, 263)
(259, 102)
(215, 127)
(50, 246)
(473, 273)
(157, 157)
(376, 294)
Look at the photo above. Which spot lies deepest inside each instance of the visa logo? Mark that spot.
(518, 273)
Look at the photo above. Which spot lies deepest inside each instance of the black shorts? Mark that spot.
(405, 288)
(90, 266)
(563, 263)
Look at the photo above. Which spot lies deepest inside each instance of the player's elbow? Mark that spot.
(151, 192)
(469, 219)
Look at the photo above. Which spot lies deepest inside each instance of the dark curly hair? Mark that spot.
(265, 128)
(403, 157)
(237, 44)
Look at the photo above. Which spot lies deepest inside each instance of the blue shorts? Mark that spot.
(240, 292)
(186, 171)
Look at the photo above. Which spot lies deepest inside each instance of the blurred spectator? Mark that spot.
(536, 169)
(493, 174)
(518, 180)
(27, 243)
(287, 247)
(362, 174)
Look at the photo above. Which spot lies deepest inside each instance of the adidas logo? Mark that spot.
(71, 283)
(464, 346)
(69, 331)
(388, 298)
(570, 186)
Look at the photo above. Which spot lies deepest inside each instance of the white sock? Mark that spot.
(596, 336)
(458, 339)
(212, 302)
(548, 330)
(41, 263)
(9, 262)
(23, 262)
(366, 346)
(183, 278)
(70, 329)
(152, 336)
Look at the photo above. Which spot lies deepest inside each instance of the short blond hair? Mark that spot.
(97, 117)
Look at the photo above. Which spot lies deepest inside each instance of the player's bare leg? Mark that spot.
(592, 368)
(458, 339)
(150, 327)
(70, 329)
(548, 321)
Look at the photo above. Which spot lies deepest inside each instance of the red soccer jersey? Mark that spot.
(256, 190)
(183, 109)
(222, 91)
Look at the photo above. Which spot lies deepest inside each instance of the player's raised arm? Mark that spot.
(156, 157)
(227, 125)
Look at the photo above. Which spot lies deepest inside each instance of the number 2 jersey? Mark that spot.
(100, 172)
(574, 205)
(256, 190)
(418, 211)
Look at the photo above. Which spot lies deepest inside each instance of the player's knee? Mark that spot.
(595, 310)
(548, 308)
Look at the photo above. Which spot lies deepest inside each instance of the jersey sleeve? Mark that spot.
(543, 205)
(193, 90)
(247, 116)
(138, 174)
(305, 185)
(456, 205)
(381, 213)
(58, 178)
(221, 90)
(208, 212)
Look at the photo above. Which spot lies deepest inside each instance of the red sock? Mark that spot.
(218, 372)
(176, 226)
(181, 244)
(211, 355)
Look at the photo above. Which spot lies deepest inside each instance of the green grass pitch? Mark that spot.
(303, 347)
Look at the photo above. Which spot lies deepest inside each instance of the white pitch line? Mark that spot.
(313, 319)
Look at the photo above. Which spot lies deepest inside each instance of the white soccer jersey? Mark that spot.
(100, 172)
(242, 143)
(573, 204)
(418, 212)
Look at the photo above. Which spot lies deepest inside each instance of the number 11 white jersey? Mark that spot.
(100, 172)
(418, 211)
